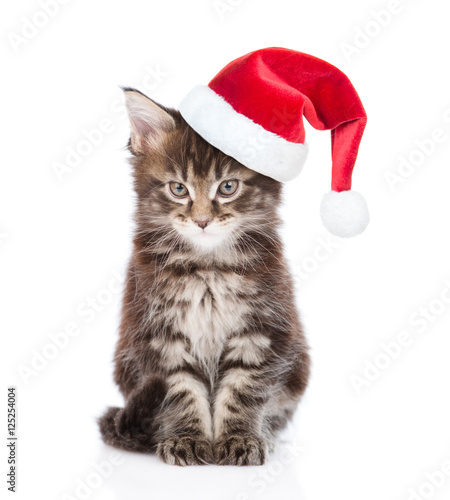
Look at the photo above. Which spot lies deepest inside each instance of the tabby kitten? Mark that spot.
(211, 358)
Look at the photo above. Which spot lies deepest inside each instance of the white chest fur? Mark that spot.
(205, 307)
(210, 309)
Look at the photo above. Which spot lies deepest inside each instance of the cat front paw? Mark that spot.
(185, 450)
(240, 450)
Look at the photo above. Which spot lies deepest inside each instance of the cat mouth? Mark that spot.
(205, 235)
(207, 239)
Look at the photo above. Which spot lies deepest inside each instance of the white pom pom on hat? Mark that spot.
(253, 111)
(344, 213)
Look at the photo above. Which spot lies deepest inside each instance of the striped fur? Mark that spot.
(211, 359)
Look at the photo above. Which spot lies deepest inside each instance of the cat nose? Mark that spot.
(202, 223)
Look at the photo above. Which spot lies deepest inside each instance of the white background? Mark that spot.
(62, 241)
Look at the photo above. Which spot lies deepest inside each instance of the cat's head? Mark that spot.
(189, 191)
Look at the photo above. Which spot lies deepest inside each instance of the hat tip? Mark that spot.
(344, 214)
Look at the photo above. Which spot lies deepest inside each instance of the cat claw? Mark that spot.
(185, 450)
(240, 450)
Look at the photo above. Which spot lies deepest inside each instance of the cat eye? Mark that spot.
(179, 190)
(228, 188)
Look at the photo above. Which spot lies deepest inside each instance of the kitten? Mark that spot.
(211, 359)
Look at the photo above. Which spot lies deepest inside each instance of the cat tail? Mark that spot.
(132, 428)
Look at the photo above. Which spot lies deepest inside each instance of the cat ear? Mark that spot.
(149, 121)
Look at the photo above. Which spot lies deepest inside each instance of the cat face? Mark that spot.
(207, 207)
(189, 191)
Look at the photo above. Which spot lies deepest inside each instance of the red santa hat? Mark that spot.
(253, 111)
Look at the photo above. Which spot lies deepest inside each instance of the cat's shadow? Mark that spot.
(141, 476)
